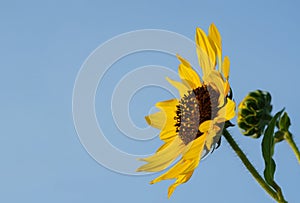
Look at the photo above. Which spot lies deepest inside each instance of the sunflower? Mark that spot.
(192, 125)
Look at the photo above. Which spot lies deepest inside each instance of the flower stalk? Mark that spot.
(249, 166)
(288, 137)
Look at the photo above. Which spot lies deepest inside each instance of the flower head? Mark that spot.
(254, 113)
(192, 124)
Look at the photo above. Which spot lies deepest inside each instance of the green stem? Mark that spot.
(288, 137)
(279, 194)
(248, 165)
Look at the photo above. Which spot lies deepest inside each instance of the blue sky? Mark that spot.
(44, 44)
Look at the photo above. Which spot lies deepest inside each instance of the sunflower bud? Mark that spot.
(254, 113)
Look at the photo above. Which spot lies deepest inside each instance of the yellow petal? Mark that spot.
(162, 159)
(226, 67)
(204, 62)
(174, 172)
(170, 108)
(204, 48)
(182, 89)
(182, 171)
(214, 34)
(168, 134)
(226, 88)
(218, 53)
(215, 37)
(210, 137)
(194, 148)
(228, 111)
(181, 179)
(156, 120)
(188, 75)
(205, 126)
(185, 168)
(165, 145)
(167, 105)
(215, 79)
(164, 120)
(183, 61)
(219, 118)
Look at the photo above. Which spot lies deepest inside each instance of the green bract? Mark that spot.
(254, 113)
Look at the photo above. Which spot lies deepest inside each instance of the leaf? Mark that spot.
(267, 144)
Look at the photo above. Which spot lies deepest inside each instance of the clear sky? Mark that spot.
(43, 44)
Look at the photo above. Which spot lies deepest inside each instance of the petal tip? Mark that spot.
(148, 120)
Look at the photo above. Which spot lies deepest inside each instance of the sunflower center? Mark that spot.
(197, 106)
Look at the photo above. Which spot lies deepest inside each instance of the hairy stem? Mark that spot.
(293, 145)
(248, 165)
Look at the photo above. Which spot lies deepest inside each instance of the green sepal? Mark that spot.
(284, 122)
(279, 136)
(228, 124)
(230, 94)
